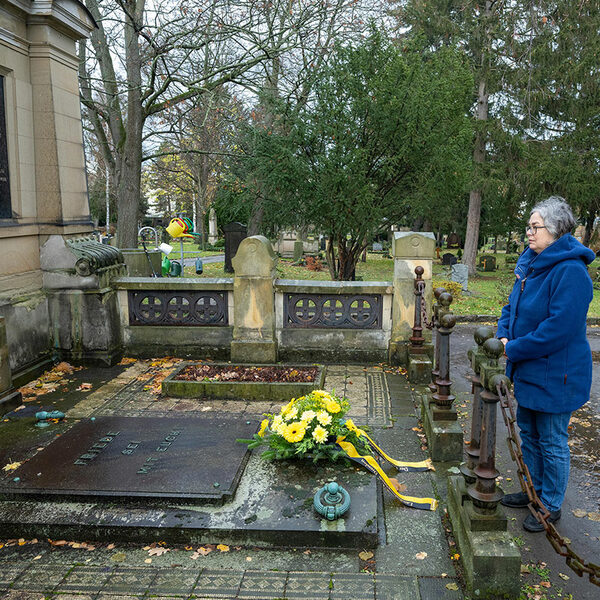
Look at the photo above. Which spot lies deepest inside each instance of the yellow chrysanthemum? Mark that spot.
(263, 427)
(320, 434)
(291, 414)
(350, 426)
(308, 415)
(323, 417)
(295, 431)
(285, 409)
(332, 407)
(278, 426)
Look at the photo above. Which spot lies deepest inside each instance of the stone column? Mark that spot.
(9, 397)
(212, 226)
(410, 250)
(254, 338)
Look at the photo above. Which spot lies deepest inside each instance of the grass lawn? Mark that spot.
(487, 292)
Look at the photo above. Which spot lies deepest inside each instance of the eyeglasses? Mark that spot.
(534, 228)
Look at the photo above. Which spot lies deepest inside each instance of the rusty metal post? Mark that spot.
(435, 373)
(476, 355)
(443, 398)
(484, 493)
(417, 341)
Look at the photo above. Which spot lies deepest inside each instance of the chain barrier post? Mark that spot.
(491, 559)
(443, 398)
(417, 341)
(476, 356)
(435, 372)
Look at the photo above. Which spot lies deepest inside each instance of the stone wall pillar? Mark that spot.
(9, 397)
(254, 338)
(410, 250)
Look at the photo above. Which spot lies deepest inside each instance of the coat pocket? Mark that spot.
(532, 371)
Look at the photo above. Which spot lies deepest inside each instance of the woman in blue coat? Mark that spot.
(543, 328)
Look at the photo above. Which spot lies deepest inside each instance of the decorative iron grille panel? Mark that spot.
(178, 308)
(347, 311)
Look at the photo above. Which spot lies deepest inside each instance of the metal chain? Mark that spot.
(560, 544)
(421, 291)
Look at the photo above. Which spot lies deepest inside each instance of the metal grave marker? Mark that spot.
(194, 458)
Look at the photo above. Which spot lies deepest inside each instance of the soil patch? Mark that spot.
(270, 374)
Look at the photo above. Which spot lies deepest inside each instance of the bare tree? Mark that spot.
(141, 61)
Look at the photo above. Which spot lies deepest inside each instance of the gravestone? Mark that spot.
(234, 234)
(460, 274)
(487, 262)
(377, 247)
(195, 458)
(449, 259)
(453, 241)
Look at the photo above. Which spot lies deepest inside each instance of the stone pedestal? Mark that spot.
(444, 435)
(298, 250)
(491, 559)
(9, 397)
(254, 339)
(419, 368)
(410, 250)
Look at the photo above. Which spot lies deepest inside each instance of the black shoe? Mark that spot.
(518, 500)
(531, 523)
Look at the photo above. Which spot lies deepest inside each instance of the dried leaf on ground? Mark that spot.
(579, 513)
(421, 555)
(545, 584)
(400, 487)
(204, 551)
(563, 576)
(365, 555)
(157, 551)
(84, 386)
(223, 548)
(452, 586)
(594, 516)
(128, 361)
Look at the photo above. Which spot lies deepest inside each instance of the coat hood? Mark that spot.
(564, 248)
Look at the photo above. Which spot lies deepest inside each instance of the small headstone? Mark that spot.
(377, 247)
(449, 259)
(453, 241)
(460, 274)
(487, 262)
(234, 234)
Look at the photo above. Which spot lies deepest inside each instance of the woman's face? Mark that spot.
(537, 234)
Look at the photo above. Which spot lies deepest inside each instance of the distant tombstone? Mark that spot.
(487, 262)
(234, 234)
(449, 259)
(323, 243)
(377, 247)
(453, 241)
(460, 274)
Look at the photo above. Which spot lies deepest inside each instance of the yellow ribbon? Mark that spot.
(371, 464)
(424, 465)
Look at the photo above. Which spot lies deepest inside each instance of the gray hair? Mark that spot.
(557, 214)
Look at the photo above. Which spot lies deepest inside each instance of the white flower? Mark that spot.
(323, 417)
(308, 416)
(320, 434)
(291, 414)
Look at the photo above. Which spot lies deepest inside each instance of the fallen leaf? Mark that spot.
(84, 386)
(11, 466)
(20, 407)
(579, 512)
(223, 548)
(249, 558)
(204, 551)
(127, 361)
(525, 569)
(110, 546)
(421, 555)
(452, 586)
(157, 551)
(400, 487)
(594, 516)
(148, 561)
(563, 576)
(545, 584)
(118, 557)
(194, 556)
(365, 555)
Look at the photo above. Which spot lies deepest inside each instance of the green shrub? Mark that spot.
(453, 287)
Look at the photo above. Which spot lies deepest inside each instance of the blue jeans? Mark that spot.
(546, 453)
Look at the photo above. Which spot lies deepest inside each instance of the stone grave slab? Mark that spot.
(195, 458)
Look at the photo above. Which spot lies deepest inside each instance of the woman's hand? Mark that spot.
(504, 341)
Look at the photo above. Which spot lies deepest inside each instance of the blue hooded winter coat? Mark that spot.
(548, 355)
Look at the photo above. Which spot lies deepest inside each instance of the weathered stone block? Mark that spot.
(419, 368)
(445, 438)
(491, 559)
(253, 351)
(412, 244)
